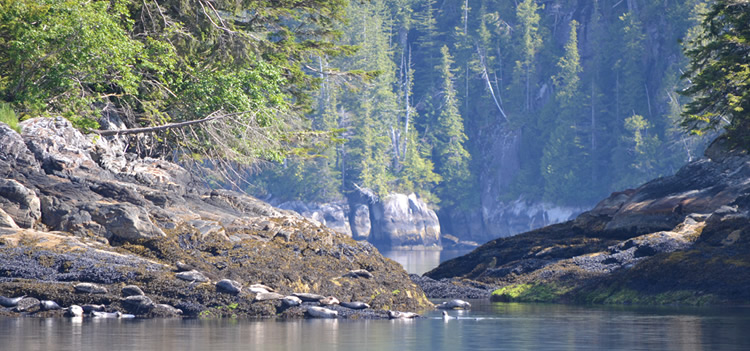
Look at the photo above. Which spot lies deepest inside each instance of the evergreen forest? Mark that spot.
(563, 101)
(466, 103)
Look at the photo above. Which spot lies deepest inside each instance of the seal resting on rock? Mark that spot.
(74, 311)
(48, 305)
(228, 286)
(321, 312)
(116, 314)
(89, 288)
(355, 305)
(328, 301)
(131, 290)
(291, 301)
(454, 304)
(309, 297)
(359, 273)
(192, 276)
(402, 315)
(88, 308)
(10, 302)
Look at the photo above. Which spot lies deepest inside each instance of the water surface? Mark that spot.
(488, 326)
(422, 261)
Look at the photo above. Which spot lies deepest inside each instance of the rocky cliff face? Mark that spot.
(77, 208)
(395, 221)
(677, 239)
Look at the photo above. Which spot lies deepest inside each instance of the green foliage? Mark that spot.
(719, 72)
(8, 116)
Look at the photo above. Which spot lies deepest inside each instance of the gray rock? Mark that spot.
(228, 286)
(6, 221)
(404, 220)
(89, 288)
(27, 304)
(361, 225)
(192, 276)
(57, 145)
(13, 150)
(125, 221)
(131, 290)
(20, 203)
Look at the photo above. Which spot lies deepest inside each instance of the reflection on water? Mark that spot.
(488, 326)
(422, 261)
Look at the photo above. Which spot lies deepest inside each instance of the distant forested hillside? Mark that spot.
(484, 101)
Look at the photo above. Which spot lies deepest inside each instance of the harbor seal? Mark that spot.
(74, 311)
(48, 305)
(454, 304)
(10, 301)
(97, 314)
(307, 297)
(290, 301)
(229, 286)
(89, 288)
(321, 312)
(138, 304)
(88, 308)
(131, 290)
(328, 301)
(402, 315)
(268, 296)
(355, 305)
(359, 273)
(192, 276)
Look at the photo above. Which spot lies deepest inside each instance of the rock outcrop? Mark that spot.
(677, 239)
(82, 209)
(395, 221)
(400, 220)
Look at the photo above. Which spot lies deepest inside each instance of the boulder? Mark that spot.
(20, 202)
(125, 222)
(57, 145)
(360, 222)
(404, 220)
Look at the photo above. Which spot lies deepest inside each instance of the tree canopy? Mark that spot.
(719, 72)
(240, 63)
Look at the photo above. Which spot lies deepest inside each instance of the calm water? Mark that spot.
(488, 326)
(421, 261)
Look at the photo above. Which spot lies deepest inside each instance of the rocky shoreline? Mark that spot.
(82, 209)
(681, 239)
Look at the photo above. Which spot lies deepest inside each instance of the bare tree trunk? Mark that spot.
(593, 134)
(486, 77)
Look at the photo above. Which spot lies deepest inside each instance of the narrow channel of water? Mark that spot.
(488, 326)
(422, 261)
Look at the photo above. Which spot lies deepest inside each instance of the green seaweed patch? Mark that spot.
(534, 292)
(624, 296)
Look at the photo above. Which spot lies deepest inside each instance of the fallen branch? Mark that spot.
(211, 117)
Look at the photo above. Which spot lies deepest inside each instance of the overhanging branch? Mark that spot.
(211, 117)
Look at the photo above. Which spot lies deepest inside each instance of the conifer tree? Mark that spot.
(452, 157)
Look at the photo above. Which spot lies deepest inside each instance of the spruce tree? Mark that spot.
(452, 157)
